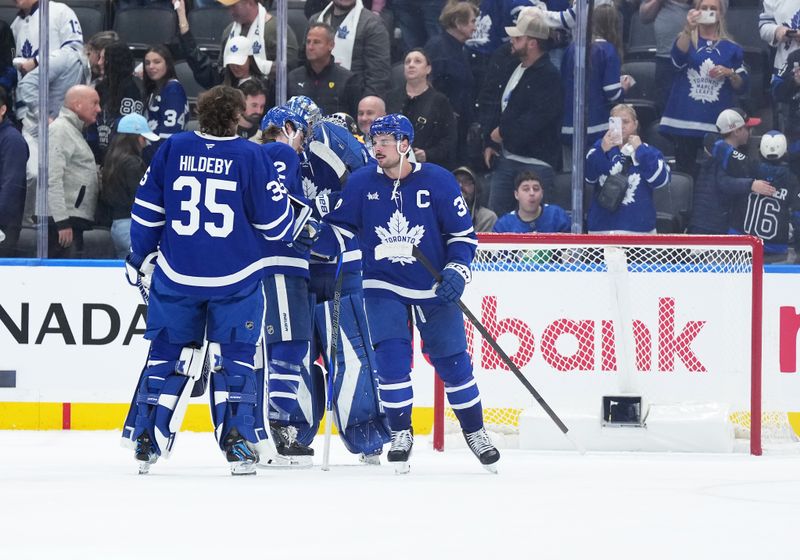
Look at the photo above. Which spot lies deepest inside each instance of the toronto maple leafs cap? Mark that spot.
(237, 49)
(530, 23)
(734, 119)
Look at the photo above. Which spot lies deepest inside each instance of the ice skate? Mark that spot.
(241, 458)
(400, 451)
(291, 452)
(373, 459)
(482, 447)
(145, 453)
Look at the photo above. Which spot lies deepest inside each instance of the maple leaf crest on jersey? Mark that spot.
(398, 233)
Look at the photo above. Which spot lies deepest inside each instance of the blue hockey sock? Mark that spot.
(393, 357)
(461, 389)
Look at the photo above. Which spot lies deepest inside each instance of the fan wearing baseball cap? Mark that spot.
(726, 176)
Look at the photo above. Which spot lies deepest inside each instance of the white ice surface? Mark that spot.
(76, 495)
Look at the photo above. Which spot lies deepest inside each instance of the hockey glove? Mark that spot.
(139, 270)
(306, 237)
(454, 279)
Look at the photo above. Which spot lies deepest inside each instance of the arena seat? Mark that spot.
(207, 25)
(142, 27)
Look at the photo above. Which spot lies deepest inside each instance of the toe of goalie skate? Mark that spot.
(372, 460)
(402, 467)
(491, 468)
(286, 462)
(240, 468)
(144, 466)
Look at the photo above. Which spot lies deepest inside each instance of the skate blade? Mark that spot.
(243, 468)
(144, 467)
(402, 467)
(285, 462)
(491, 468)
(370, 460)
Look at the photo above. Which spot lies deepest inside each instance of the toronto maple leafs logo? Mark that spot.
(256, 47)
(27, 49)
(483, 25)
(702, 87)
(633, 183)
(342, 32)
(398, 233)
(310, 189)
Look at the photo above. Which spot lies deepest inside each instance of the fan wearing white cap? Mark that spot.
(769, 217)
(123, 168)
(238, 61)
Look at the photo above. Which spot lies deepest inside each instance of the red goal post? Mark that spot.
(675, 318)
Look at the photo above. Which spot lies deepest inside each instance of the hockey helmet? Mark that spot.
(306, 108)
(279, 116)
(773, 145)
(395, 124)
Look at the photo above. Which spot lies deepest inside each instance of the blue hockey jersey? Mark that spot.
(279, 256)
(496, 15)
(646, 172)
(697, 99)
(425, 210)
(605, 89)
(553, 219)
(204, 203)
(168, 110)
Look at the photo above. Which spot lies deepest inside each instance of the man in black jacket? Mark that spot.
(523, 120)
(320, 78)
(13, 157)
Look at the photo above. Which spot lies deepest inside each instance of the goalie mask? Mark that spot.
(305, 108)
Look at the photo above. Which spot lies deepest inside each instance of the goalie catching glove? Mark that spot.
(305, 239)
(455, 277)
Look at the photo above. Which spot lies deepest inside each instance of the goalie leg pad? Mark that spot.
(360, 419)
(461, 389)
(285, 368)
(393, 357)
(234, 391)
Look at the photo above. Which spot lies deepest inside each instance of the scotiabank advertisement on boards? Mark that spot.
(73, 334)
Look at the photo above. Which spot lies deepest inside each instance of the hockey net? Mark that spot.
(673, 318)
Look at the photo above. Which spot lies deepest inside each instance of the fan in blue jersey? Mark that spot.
(531, 216)
(200, 214)
(624, 172)
(769, 217)
(166, 104)
(288, 320)
(390, 208)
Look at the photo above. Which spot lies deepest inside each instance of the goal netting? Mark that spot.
(674, 319)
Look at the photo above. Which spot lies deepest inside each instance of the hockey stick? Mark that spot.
(405, 249)
(337, 304)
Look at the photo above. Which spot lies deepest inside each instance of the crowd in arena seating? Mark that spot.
(692, 118)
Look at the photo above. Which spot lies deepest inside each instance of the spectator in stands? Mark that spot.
(13, 158)
(779, 26)
(362, 44)
(417, 20)
(252, 21)
(428, 110)
(606, 85)
(452, 73)
(331, 86)
(725, 175)
(72, 187)
(255, 104)
(711, 75)
(532, 215)
(8, 74)
(166, 103)
(668, 18)
(369, 108)
(483, 219)
(521, 123)
(785, 88)
(624, 172)
(95, 48)
(120, 94)
(123, 169)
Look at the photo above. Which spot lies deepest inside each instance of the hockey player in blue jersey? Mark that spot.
(200, 213)
(394, 205)
(288, 321)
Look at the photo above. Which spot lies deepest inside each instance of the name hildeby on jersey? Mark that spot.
(205, 164)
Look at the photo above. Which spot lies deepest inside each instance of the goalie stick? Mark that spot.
(407, 249)
(336, 307)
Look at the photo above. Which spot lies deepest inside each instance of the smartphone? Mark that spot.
(707, 17)
(615, 126)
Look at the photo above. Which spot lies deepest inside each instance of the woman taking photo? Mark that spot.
(710, 75)
(166, 103)
(435, 132)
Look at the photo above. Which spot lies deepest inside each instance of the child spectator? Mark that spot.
(531, 216)
(483, 219)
